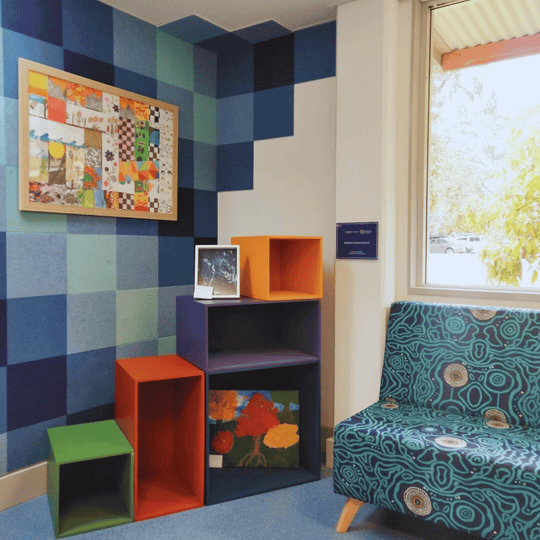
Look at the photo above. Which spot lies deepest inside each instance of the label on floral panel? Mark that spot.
(215, 461)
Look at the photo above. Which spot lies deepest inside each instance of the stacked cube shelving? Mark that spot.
(267, 340)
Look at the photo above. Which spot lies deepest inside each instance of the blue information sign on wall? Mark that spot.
(357, 240)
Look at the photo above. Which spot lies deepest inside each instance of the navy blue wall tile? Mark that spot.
(262, 32)
(204, 72)
(205, 213)
(36, 328)
(3, 333)
(184, 226)
(192, 29)
(96, 414)
(18, 46)
(88, 67)
(33, 18)
(274, 63)
(136, 227)
(36, 391)
(186, 165)
(30, 445)
(235, 119)
(274, 113)
(134, 44)
(234, 64)
(90, 379)
(176, 263)
(234, 166)
(90, 225)
(88, 29)
(183, 99)
(3, 286)
(205, 240)
(135, 82)
(3, 401)
(315, 53)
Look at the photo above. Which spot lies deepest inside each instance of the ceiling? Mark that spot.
(479, 22)
(232, 15)
(465, 24)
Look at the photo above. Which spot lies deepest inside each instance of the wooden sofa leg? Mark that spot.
(350, 508)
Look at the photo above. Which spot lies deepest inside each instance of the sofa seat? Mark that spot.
(470, 473)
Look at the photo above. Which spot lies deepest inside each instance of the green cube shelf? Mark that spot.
(89, 478)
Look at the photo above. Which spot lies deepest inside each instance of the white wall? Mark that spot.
(367, 35)
(294, 194)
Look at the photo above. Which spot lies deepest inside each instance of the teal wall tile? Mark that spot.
(138, 350)
(167, 345)
(3, 130)
(205, 118)
(91, 263)
(174, 61)
(136, 316)
(10, 126)
(3, 209)
(1, 58)
(205, 156)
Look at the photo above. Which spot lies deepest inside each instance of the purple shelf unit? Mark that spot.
(246, 334)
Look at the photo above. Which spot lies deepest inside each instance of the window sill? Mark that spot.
(524, 295)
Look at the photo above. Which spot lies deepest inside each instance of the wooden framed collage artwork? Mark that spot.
(90, 148)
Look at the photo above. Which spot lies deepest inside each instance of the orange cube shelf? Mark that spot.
(280, 267)
(160, 407)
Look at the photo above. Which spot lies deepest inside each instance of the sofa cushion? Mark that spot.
(481, 476)
(464, 359)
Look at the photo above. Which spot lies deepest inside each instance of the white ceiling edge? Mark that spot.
(232, 15)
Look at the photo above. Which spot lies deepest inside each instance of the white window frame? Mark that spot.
(418, 163)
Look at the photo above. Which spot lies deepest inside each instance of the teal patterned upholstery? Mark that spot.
(455, 437)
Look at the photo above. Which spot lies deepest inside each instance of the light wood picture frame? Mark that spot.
(92, 149)
(217, 271)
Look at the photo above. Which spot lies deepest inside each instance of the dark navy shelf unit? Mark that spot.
(247, 344)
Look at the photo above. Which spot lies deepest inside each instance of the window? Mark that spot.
(476, 164)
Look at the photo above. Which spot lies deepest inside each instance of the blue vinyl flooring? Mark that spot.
(308, 511)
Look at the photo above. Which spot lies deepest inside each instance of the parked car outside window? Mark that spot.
(473, 242)
(446, 244)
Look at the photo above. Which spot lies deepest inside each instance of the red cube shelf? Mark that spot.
(160, 407)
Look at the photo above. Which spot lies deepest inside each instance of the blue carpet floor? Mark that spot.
(307, 512)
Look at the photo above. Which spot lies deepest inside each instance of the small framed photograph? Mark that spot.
(216, 272)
